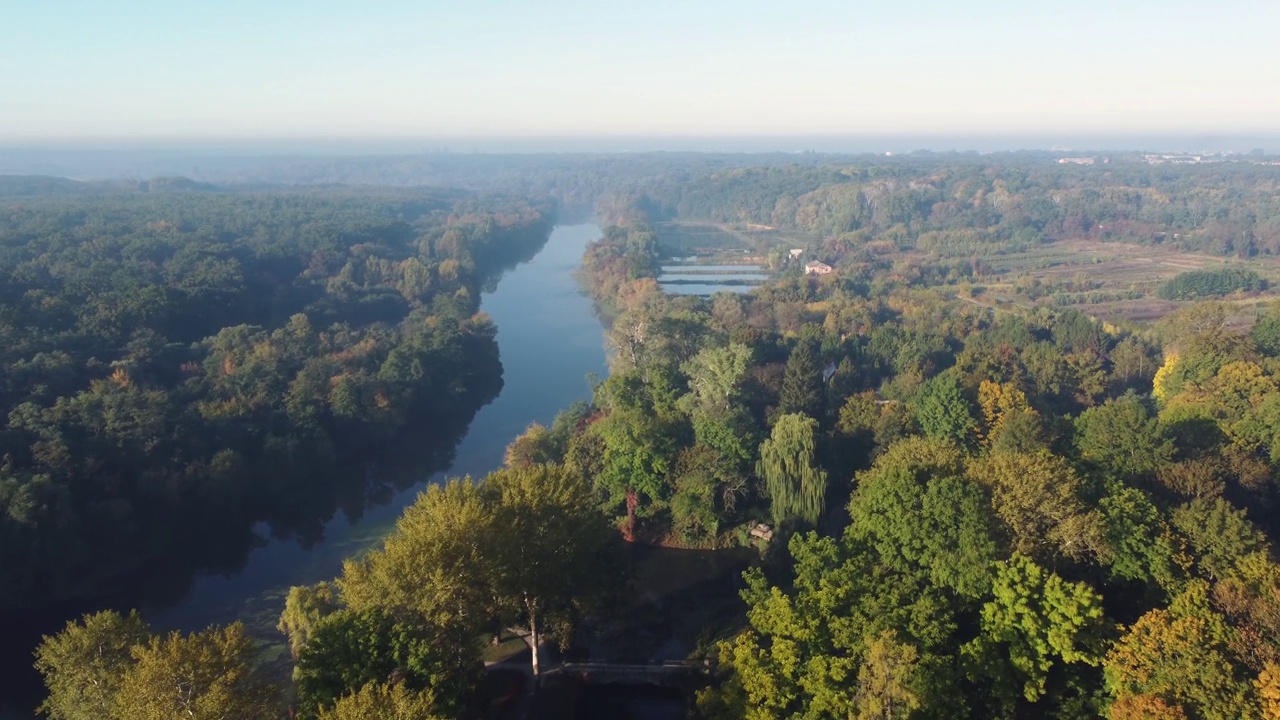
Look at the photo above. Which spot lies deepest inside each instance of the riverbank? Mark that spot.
(549, 342)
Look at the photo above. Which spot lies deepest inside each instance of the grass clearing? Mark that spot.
(509, 646)
(1109, 280)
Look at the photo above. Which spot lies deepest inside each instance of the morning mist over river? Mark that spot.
(550, 340)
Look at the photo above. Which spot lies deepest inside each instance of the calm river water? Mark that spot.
(549, 339)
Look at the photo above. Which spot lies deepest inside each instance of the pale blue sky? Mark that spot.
(235, 68)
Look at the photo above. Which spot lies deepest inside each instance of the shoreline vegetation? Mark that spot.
(981, 500)
(184, 363)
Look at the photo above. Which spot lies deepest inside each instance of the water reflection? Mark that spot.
(705, 288)
(549, 340)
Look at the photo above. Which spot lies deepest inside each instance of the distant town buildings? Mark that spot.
(1076, 161)
(1178, 159)
(814, 267)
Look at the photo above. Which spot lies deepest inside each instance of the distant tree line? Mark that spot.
(948, 204)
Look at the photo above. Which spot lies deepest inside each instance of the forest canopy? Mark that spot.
(964, 509)
(182, 362)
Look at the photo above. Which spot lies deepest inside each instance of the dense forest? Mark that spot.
(1016, 514)
(962, 511)
(953, 204)
(182, 363)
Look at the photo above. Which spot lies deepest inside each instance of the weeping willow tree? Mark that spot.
(796, 485)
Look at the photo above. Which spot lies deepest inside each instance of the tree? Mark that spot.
(848, 636)
(548, 555)
(351, 649)
(1140, 545)
(432, 566)
(1037, 621)
(1219, 534)
(1181, 655)
(885, 680)
(532, 447)
(1145, 707)
(999, 403)
(797, 486)
(1250, 601)
(1038, 497)
(707, 483)
(639, 440)
(209, 675)
(943, 411)
(377, 701)
(1133, 363)
(923, 517)
(802, 382)
(1266, 333)
(716, 375)
(526, 544)
(304, 607)
(1122, 437)
(83, 665)
(1268, 689)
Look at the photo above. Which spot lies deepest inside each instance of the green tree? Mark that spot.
(304, 607)
(1037, 621)
(1122, 437)
(639, 440)
(923, 517)
(802, 390)
(1219, 534)
(1266, 333)
(1133, 363)
(716, 375)
(350, 649)
(209, 675)
(83, 665)
(943, 411)
(432, 566)
(1140, 545)
(1038, 496)
(797, 486)
(848, 636)
(548, 555)
(708, 486)
(377, 701)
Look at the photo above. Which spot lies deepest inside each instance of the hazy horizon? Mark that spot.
(624, 144)
(476, 73)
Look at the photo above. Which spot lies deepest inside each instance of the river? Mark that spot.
(550, 340)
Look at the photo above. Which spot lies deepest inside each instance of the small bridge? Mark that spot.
(666, 673)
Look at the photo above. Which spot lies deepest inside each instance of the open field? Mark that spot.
(1112, 263)
(1113, 281)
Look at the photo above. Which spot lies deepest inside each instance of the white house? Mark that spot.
(814, 267)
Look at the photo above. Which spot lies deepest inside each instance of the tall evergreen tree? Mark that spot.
(802, 382)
